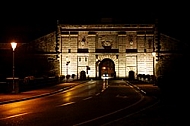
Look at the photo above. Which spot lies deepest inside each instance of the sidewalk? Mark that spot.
(11, 97)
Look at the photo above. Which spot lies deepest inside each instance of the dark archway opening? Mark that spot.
(131, 75)
(107, 69)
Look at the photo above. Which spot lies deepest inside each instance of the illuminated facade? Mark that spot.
(111, 49)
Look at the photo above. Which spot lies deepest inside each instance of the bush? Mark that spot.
(73, 76)
(62, 77)
(68, 76)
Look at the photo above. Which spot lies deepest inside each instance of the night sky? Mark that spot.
(25, 23)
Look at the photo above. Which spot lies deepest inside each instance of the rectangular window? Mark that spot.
(85, 59)
(82, 51)
(79, 59)
(131, 50)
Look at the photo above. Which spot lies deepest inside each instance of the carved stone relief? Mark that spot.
(112, 57)
(82, 40)
(106, 40)
(131, 40)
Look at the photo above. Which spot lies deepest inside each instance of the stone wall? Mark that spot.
(38, 58)
(45, 44)
(171, 49)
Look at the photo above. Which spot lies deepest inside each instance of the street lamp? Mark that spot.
(97, 71)
(13, 45)
(67, 63)
(67, 66)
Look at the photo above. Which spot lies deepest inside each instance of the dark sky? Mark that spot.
(24, 23)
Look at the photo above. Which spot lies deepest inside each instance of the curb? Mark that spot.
(137, 88)
(40, 95)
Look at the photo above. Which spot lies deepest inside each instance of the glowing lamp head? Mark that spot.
(153, 54)
(13, 44)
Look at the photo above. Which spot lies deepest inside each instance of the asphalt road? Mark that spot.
(113, 102)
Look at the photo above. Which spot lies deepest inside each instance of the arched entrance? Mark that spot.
(107, 68)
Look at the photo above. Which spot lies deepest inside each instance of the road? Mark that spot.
(93, 103)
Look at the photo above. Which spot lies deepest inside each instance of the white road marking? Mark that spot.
(13, 116)
(97, 94)
(121, 96)
(67, 103)
(87, 98)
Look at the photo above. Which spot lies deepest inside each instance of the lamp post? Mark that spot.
(67, 66)
(67, 76)
(67, 63)
(97, 66)
(154, 55)
(13, 45)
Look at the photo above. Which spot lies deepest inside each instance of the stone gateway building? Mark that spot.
(104, 49)
(110, 49)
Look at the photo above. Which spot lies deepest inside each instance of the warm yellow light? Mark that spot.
(67, 59)
(13, 44)
(153, 54)
(104, 68)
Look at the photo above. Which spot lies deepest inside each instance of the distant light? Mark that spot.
(13, 44)
(105, 76)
